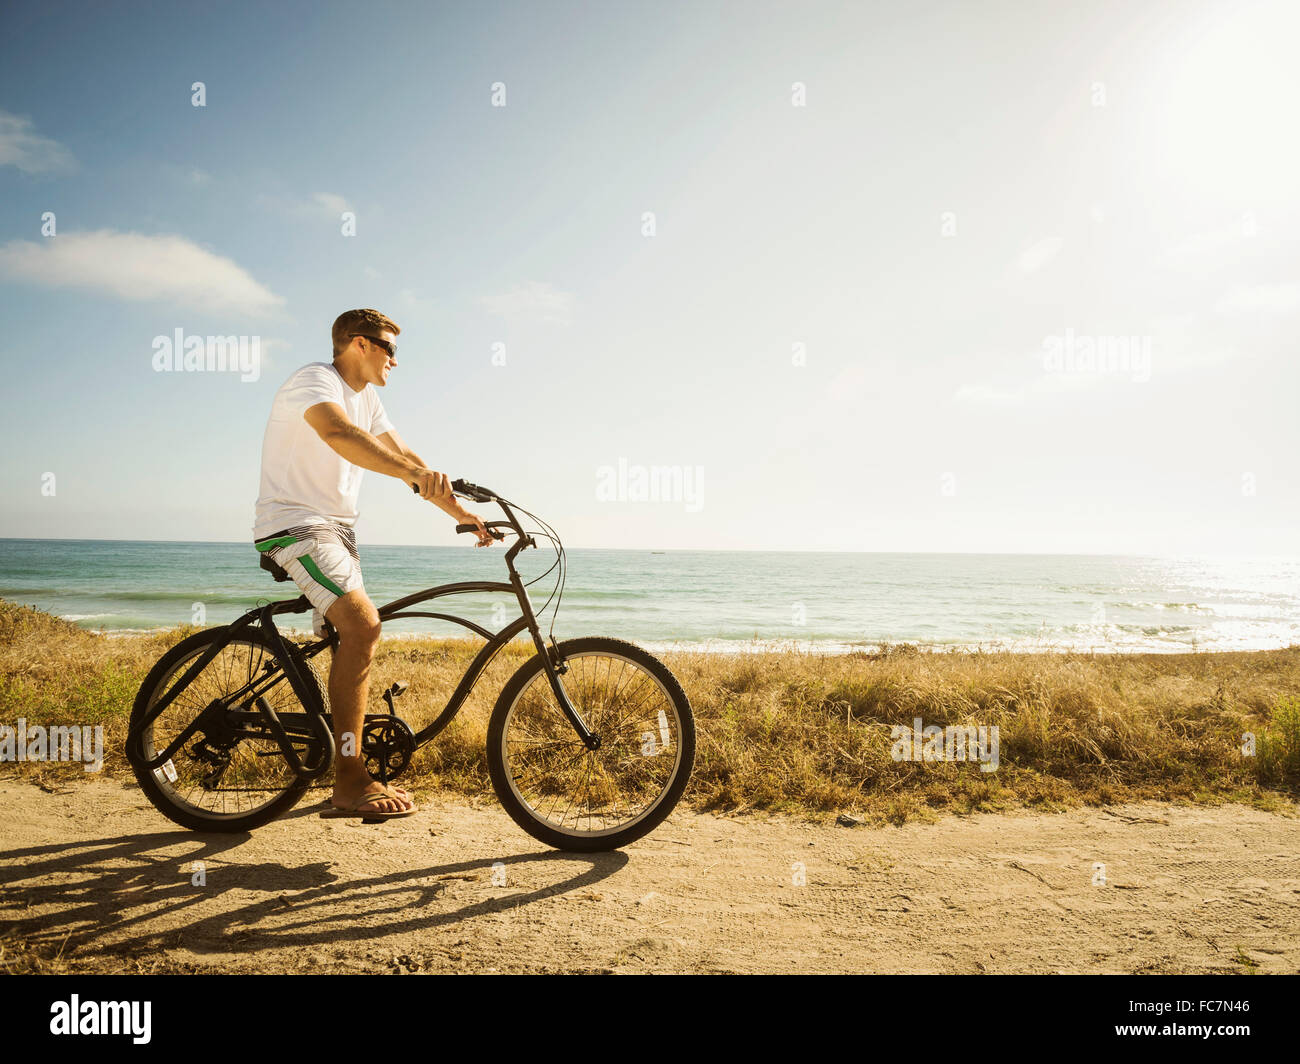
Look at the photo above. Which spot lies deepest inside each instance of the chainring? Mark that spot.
(387, 744)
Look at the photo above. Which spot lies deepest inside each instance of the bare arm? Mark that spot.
(358, 446)
(389, 454)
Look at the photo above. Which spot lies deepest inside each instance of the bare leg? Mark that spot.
(356, 620)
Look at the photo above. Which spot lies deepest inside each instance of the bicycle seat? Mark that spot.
(270, 566)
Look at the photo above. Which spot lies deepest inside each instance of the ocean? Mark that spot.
(714, 600)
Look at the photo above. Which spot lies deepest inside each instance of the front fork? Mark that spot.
(554, 665)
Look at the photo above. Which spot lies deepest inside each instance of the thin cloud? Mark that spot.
(187, 175)
(331, 203)
(986, 395)
(534, 300)
(411, 301)
(23, 147)
(850, 385)
(1209, 245)
(1034, 258)
(1260, 299)
(136, 267)
(271, 348)
(1042, 385)
(316, 206)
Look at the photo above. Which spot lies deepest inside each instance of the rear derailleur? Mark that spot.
(216, 757)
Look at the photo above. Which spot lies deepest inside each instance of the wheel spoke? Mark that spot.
(244, 783)
(585, 793)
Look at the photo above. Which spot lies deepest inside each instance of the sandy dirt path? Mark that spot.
(1187, 889)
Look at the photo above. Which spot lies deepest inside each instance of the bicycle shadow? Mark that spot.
(305, 905)
(99, 901)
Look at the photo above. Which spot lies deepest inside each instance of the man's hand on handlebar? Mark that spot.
(436, 487)
(485, 538)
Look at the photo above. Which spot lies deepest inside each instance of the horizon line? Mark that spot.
(711, 550)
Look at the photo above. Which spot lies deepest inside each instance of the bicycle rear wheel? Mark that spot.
(573, 798)
(219, 780)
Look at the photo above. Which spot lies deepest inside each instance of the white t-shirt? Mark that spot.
(304, 480)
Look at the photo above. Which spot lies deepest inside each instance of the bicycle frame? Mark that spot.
(290, 655)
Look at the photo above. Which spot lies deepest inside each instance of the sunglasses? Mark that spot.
(390, 348)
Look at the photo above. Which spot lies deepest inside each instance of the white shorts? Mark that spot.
(321, 559)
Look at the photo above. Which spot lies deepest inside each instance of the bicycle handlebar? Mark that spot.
(474, 491)
(464, 487)
(491, 527)
(481, 494)
(478, 494)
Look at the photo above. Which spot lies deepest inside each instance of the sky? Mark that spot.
(996, 277)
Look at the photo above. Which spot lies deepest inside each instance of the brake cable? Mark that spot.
(561, 559)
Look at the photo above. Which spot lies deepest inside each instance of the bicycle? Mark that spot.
(590, 743)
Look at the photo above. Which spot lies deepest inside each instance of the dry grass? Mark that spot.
(20, 956)
(805, 733)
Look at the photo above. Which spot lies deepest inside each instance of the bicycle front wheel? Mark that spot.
(221, 779)
(573, 798)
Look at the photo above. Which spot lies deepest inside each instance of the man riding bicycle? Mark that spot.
(326, 427)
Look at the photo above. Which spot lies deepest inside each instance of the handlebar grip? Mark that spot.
(464, 487)
(456, 485)
(474, 528)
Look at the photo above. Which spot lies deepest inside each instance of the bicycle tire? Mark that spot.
(159, 790)
(530, 685)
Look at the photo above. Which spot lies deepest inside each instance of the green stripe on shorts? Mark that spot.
(271, 544)
(318, 576)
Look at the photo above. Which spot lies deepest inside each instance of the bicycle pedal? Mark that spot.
(399, 688)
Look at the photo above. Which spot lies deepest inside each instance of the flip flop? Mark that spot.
(354, 810)
(391, 789)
